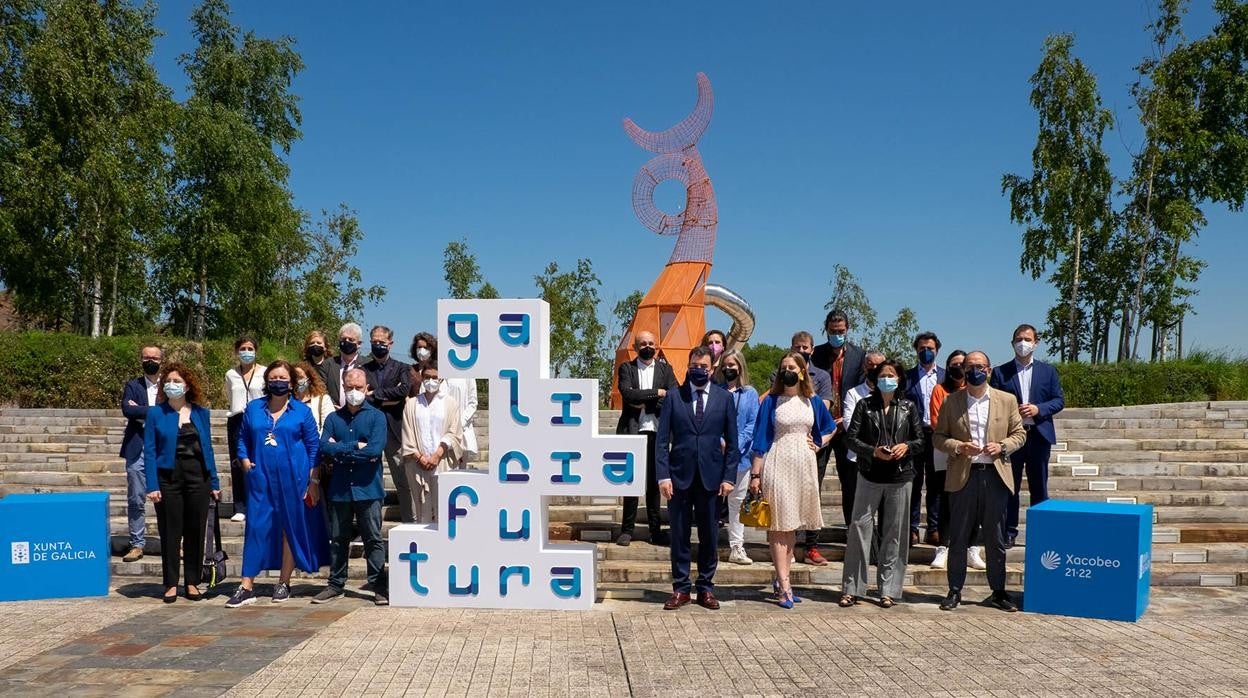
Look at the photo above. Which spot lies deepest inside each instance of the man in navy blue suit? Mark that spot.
(696, 457)
(138, 395)
(920, 382)
(1039, 394)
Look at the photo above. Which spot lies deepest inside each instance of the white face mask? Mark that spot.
(1024, 348)
(431, 385)
(302, 386)
(422, 354)
(355, 398)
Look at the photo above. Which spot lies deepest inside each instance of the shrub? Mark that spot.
(1197, 378)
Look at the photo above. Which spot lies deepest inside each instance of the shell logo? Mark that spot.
(1051, 560)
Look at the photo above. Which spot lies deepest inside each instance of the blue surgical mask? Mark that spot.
(836, 340)
(976, 376)
(886, 384)
(174, 391)
(927, 356)
(247, 356)
(699, 376)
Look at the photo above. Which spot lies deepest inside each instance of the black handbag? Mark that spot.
(214, 557)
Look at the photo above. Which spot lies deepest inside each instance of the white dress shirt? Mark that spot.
(243, 391)
(151, 390)
(927, 383)
(852, 396)
(977, 417)
(1024, 385)
(431, 422)
(648, 422)
(342, 378)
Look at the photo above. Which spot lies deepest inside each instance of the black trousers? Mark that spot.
(238, 479)
(821, 465)
(980, 503)
(925, 469)
(846, 472)
(629, 521)
(180, 518)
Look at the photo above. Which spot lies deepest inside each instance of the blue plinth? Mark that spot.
(1088, 559)
(53, 546)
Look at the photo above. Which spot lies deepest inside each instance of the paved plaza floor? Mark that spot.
(1191, 642)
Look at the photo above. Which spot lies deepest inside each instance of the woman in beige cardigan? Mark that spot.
(432, 441)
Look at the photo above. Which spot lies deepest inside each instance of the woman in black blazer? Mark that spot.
(181, 475)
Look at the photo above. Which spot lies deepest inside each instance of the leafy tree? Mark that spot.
(1065, 202)
(848, 297)
(762, 359)
(622, 314)
(577, 337)
(461, 271)
(330, 287)
(896, 337)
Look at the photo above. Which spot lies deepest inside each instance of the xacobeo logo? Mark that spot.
(20, 552)
(1051, 560)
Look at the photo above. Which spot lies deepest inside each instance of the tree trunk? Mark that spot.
(1148, 242)
(1179, 340)
(97, 300)
(1072, 329)
(112, 307)
(190, 313)
(1124, 335)
(201, 308)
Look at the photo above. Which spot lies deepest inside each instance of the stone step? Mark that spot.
(1216, 456)
(1234, 431)
(1208, 532)
(1158, 469)
(1200, 422)
(1176, 482)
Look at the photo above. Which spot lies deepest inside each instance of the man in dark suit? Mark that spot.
(1038, 390)
(138, 395)
(644, 384)
(389, 382)
(696, 458)
(920, 382)
(843, 361)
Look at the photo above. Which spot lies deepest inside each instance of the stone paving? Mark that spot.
(1191, 642)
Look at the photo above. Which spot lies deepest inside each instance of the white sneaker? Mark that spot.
(738, 556)
(975, 558)
(239, 517)
(941, 561)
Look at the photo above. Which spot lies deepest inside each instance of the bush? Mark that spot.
(52, 369)
(1197, 378)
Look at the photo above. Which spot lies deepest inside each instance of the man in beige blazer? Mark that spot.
(978, 428)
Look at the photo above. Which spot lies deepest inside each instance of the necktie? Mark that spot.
(697, 407)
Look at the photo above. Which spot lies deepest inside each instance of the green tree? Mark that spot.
(1065, 202)
(235, 229)
(84, 157)
(762, 359)
(462, 272)
(849, 297)
(896, 337)
(330, 288)
(577, 337)
(622, 314)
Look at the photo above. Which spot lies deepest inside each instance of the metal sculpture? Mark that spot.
(674, 308)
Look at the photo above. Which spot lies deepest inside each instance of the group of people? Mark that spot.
(308, 443)
(968, 430)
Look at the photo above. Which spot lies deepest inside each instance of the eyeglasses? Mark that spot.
(971, 367)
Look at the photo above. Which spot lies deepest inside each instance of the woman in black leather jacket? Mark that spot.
(885, 432)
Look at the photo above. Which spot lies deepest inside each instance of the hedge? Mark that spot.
(59, 370)
(1195, 379)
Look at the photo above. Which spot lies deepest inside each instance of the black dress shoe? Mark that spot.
(951, 601)
(676, 600)
(624, 539)
(1010, 541)
(1001, 600)
(660, 538)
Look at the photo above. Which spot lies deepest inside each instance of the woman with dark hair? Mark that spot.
(714, 340)
(885, 432)
(243, 383)
(317, 353)
(793, 423)
(955, 380)
(464, 390)
(277, 448)
(181, 475)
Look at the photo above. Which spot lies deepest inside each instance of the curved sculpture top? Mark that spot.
(683, 134)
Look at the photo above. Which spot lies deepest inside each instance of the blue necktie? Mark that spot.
(697, 407)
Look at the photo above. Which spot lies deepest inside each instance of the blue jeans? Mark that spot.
(136, 501)
(346, 519)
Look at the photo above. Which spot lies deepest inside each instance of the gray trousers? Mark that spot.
(404, 491)
(981, 503)
(892, 502)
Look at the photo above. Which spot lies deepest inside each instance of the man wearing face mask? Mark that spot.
(803, 343)
(842, 360)
(978, 428)
(920, 382)
(389, 381)
(353, 440)
(1038, 390)
(696, 458)
(138, 395)
(349, 356)
(644, 383)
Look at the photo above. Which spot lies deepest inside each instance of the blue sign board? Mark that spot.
(1088, 559)
(53, 546)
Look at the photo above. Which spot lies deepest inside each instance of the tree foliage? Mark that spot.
(463, 273)
(577, 337)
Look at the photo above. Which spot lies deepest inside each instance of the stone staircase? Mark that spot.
(1190, 461)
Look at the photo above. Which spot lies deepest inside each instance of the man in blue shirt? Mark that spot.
(353, 440)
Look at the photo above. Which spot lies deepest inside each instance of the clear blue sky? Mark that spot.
(867, 136)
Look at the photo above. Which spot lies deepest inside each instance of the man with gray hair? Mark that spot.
(389, 382)
(349, 357)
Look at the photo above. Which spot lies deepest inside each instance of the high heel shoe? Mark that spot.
(787, 600)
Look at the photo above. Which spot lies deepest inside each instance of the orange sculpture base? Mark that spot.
(674, 310)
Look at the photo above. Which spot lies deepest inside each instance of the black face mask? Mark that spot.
(806, 355)
(788, 378)
(646, 353)
(348, 347)
(316, 351)
(731, 374)
(955, 372)
(380, 351)
(150, 368)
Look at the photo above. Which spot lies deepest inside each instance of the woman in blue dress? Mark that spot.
(277, 448)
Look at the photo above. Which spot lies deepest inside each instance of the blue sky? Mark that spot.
(847, 133)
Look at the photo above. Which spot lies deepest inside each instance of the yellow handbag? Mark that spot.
(755, 511)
